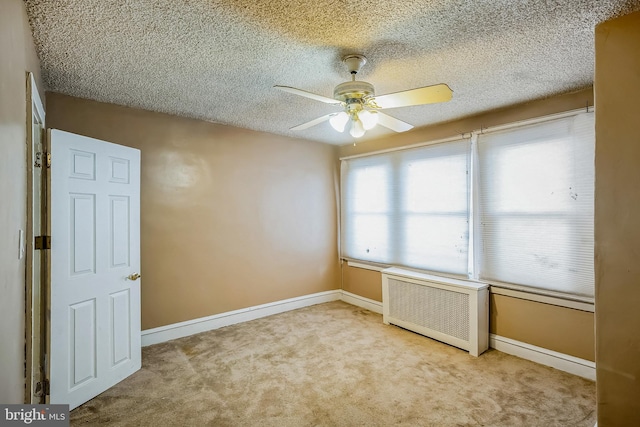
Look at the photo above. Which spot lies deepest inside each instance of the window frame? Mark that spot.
(580, 302)
(396, 239)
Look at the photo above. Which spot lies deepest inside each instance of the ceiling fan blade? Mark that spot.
(313, 122)
(422, 95)
(393, 123)
(307, 94)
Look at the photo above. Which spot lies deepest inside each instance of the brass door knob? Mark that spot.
(134, 276)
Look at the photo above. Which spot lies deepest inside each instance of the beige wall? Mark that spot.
(363, 282)
(230, 218)
(556, 328)
(560, 329)
(617, 226)
(17, 56)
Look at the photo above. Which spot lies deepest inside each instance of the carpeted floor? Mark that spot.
(335, 364)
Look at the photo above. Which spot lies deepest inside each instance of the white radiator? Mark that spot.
(449, 310)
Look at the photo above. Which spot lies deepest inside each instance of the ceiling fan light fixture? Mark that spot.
(361, 104)
(369, 119)
(339, 121)
(357, 129)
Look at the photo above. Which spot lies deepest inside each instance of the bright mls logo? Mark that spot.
(34, 415)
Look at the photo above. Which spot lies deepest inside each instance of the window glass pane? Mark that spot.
(531, 177)
(436, 184)
(368, 185)
(437, 242)
(366, 209)
(541, 258)
(370, 237)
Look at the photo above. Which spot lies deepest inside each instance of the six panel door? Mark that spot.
(95, 254)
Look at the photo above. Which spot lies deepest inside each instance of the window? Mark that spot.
(533, 206)
(368, 222)
(536, 197)
(409, 207)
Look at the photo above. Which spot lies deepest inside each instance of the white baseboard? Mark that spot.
(564, 362)
(369, 304)
(203, 324)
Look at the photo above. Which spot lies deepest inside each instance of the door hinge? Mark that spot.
(42, 242)
(48, 156)
(42, 388)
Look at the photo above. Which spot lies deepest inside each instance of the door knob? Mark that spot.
(134, 276)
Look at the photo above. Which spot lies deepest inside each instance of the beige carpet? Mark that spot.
(335, 364)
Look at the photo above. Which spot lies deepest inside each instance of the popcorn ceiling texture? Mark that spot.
(218, 60)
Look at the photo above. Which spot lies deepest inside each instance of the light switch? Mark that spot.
(21, 248)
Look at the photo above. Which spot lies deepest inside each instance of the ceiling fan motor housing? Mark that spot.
(353, 90)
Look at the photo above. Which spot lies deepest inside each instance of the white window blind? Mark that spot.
(536, 205)
(409, 207)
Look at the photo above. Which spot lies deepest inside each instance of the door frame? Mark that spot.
(35, 290)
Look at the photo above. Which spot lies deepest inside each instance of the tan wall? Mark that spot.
(556, 328)
(17, 56)
(560, 329)
(548, 326)
(230, 218)
(363, 282)
(557, 104)
(617, 229)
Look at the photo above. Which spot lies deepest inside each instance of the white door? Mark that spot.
(95, 261)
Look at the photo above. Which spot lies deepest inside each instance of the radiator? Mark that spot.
(449, 310)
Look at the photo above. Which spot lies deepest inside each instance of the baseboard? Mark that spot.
(564, 362)
(203, 324)
(369, 304)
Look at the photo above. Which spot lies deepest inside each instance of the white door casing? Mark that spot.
(95, 247)
(36, 163)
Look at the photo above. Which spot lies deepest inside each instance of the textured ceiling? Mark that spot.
(218, 60)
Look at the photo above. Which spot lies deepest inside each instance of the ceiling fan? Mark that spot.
(361, 106)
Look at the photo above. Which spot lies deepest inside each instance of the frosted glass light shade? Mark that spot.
(339, 121)
(357, 129)
(369, 119)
